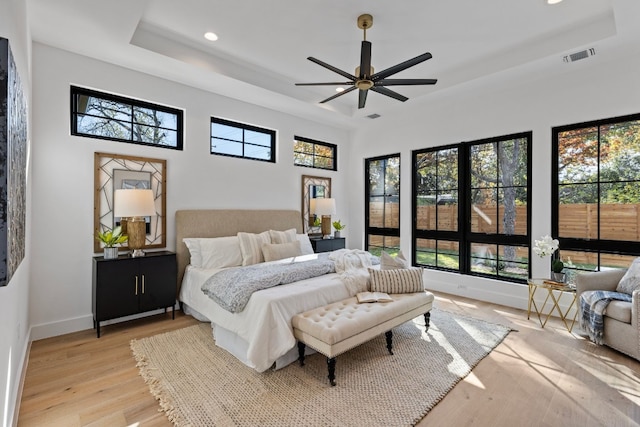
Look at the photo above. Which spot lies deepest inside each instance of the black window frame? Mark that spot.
(333, 147)
(598, 246)
(243, 127)
(464, 236)
(75, 91)
(380, 231)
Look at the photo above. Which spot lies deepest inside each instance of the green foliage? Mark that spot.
(338, 225)
(317, 222)
(557, 266)
(110, 238)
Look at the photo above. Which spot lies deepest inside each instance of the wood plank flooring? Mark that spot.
(535, 377)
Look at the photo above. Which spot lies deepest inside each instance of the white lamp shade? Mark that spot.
(325, 206)
(130, 203)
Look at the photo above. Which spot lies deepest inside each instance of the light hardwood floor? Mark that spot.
(535, 377)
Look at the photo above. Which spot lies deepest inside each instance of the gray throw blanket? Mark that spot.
(592, 307)
(232, 288)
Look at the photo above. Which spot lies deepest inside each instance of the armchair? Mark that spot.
(622, 319)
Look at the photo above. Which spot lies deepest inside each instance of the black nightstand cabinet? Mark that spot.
(126, 285)
(327, 245)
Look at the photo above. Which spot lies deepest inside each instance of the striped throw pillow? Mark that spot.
(251, 246)
(398, 281)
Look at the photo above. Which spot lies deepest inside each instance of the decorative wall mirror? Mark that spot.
(114, 171)
(313, 187)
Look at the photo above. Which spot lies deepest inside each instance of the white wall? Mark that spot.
(478, 110)
(63, 174)
(14, 316)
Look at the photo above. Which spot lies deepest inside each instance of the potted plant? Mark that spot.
(110, 239)
(338, 226)
(556, 268)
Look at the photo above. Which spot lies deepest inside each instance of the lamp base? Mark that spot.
(137, 253)
(326, 226)
(136, 231)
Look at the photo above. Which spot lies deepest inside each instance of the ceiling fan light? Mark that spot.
(364, 84)
(553, 1)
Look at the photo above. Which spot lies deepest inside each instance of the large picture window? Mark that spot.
(471, 206)
(235, 139)
(106, 116)
(315, 154)
(382, 200)
(596, 198)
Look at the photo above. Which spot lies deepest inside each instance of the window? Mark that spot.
(105, 116)
(596, 197)
(314, 154)
(471, 207)
(242, 140)
(382, 200)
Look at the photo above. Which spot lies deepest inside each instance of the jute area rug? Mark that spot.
(199, 384)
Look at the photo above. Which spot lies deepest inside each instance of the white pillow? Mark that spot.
(631, 279)
(214, 252)
(276, 251)
(283, 236)
(387, 262)
(305, 244)
(251, 246)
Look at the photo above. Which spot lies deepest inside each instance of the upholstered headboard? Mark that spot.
(227, 222)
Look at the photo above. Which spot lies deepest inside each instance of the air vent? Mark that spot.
(583, 54)
(373, 116)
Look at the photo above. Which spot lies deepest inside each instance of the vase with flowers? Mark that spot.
(547, 246)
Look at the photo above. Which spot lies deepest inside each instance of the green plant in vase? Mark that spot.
(338, 226)
(111, 238)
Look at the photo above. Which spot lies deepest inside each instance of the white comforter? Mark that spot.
(265, 323)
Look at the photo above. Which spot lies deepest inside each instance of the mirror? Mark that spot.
(313, 187)
(114, 171)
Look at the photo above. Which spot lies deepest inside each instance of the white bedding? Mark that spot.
(265, 323)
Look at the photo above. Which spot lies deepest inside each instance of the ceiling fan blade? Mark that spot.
(365, 60)
(338, 94)
(362, 98)
(405, 82)
(401, 66)
(384, 91)
(325, 84)
(332, 68)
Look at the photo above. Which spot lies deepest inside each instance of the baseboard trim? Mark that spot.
(23, 374)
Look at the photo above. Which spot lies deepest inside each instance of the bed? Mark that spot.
(261, 335)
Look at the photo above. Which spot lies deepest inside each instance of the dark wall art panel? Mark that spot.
(13, 159)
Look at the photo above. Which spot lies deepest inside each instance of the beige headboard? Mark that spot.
(227, 222)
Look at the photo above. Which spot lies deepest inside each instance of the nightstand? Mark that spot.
(124, 286)
(327, 245)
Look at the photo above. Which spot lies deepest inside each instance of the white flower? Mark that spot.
(545, 246)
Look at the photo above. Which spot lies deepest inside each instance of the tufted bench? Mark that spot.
(341, 326)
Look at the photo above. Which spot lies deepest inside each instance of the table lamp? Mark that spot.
(325, 207)
(132, 206)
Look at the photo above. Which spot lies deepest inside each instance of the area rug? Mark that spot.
(199, 384)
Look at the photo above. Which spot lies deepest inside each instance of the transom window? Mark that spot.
(596, 198)
(472, 207)
(105, 116)
(314, 154)
(235, 139)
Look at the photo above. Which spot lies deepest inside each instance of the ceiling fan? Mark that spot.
(366, 78)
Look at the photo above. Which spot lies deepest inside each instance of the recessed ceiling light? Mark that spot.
(211, 36)
(339, 89)
(553, 1)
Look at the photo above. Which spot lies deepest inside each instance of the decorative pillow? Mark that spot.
(283, 236)
(275, 251)
(251, 246)
(215, 252)
(387, 262)
(305, 244)
(398, 281)
(631, 279)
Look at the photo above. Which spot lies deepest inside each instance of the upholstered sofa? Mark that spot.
(622, 319)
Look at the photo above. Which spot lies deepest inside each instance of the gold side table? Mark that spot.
(550, 287)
